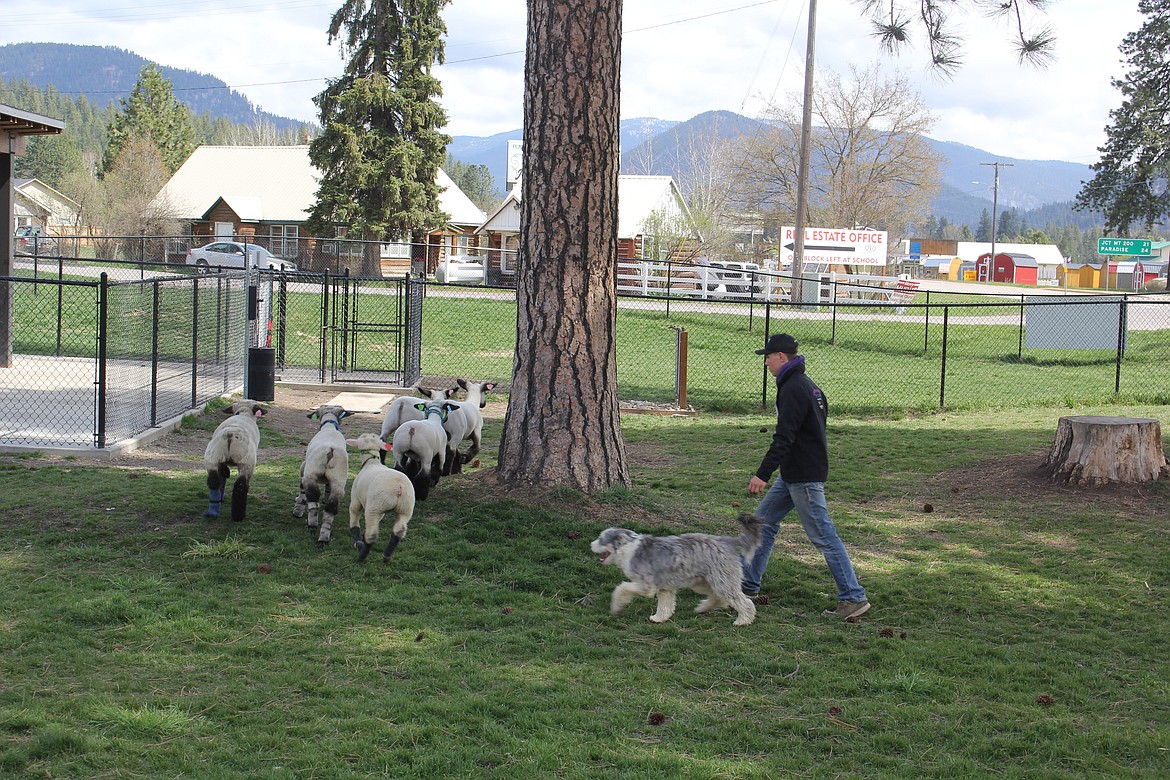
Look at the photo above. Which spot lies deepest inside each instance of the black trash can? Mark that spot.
(262, 373)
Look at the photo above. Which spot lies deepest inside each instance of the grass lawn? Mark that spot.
(1017, 628)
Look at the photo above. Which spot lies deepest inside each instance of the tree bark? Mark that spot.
(1099, 450)
(562, 427)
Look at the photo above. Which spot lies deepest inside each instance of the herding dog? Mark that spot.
(661, 565)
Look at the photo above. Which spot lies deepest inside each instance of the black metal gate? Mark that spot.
(373, 330)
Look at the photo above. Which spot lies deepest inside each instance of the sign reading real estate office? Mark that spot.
(836, 246)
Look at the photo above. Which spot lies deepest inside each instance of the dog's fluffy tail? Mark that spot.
(749, 539)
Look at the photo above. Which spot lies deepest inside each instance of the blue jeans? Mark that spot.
(808, 498)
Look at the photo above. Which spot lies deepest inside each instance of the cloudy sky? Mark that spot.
(680, 58)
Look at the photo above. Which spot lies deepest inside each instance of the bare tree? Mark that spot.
(870, 164)
(131, 189)
(562, 426)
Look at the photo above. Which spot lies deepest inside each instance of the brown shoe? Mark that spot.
(848, 610)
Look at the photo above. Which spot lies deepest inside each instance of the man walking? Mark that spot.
(800, 451)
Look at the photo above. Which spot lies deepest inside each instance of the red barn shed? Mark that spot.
(1008, 267)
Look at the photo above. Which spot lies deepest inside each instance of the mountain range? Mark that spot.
(105, 74)
(967, 176)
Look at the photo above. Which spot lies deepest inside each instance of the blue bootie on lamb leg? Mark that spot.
(214, 497)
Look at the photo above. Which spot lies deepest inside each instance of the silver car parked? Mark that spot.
(230, 254)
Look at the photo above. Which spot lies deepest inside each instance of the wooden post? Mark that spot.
(1096, 451)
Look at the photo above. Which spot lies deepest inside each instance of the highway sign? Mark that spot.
(1124, 246)
(859, 246)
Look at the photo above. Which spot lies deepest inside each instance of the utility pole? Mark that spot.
(994, 214)
(805, 152)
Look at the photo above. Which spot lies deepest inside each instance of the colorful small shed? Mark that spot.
(1126, 275)
(1079, 275)
(1008, 267)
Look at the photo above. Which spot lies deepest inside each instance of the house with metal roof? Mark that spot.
(37, 205)
(653, 220)
(264, 194)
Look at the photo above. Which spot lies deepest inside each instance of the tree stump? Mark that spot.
(1099, 450)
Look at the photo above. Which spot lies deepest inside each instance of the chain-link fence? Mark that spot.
(94, 362)
(887, 357)
(305, 253)
(103, 359)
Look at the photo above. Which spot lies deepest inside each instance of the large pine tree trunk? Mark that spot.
(1090, 450)
(562, 426)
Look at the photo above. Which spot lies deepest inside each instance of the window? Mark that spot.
(347, 248)
(396, 248)
(511, 245)
(285, 240)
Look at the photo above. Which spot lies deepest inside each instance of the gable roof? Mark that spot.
(1044, 254)
(638, 197)
(272, 184)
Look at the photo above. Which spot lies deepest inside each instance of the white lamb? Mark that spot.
(377, 491)
(235, 443)
(405, 408)
(466, 422)
(420, 447)
(326, 462)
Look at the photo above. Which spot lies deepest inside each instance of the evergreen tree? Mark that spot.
(892, 24)
(1009, 225)
(931, 227)
(380, 147)
(476, 181)
(983, 230)
(941, 228)
(152, 112)
(49, 158)
(1129, 182)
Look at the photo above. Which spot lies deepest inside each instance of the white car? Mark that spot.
(459, 268)
(230, 254)
(732, 277)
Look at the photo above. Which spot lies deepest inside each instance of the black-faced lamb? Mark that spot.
(326, 463)
(376, 491)
(466, 422)
(420, 447)
(235, 442)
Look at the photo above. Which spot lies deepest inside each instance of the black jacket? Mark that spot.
(799, 446)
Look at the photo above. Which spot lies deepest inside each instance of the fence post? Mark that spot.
(1121, 315)
(1020, 348)
(102, 345)
(282, 312)
(669, 279)
(154, 355)
(767, 333)
(680, 367)
(942, 384)
(324, 321)
(194, 340)
(926, 329)
(60, 301)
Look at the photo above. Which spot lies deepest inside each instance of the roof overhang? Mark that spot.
(18, 122)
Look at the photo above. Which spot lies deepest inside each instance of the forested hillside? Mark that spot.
(87, 123)
(105, 74)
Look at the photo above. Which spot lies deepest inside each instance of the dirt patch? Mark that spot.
(1024, 480)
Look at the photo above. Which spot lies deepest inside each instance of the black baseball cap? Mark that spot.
(779, 342)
